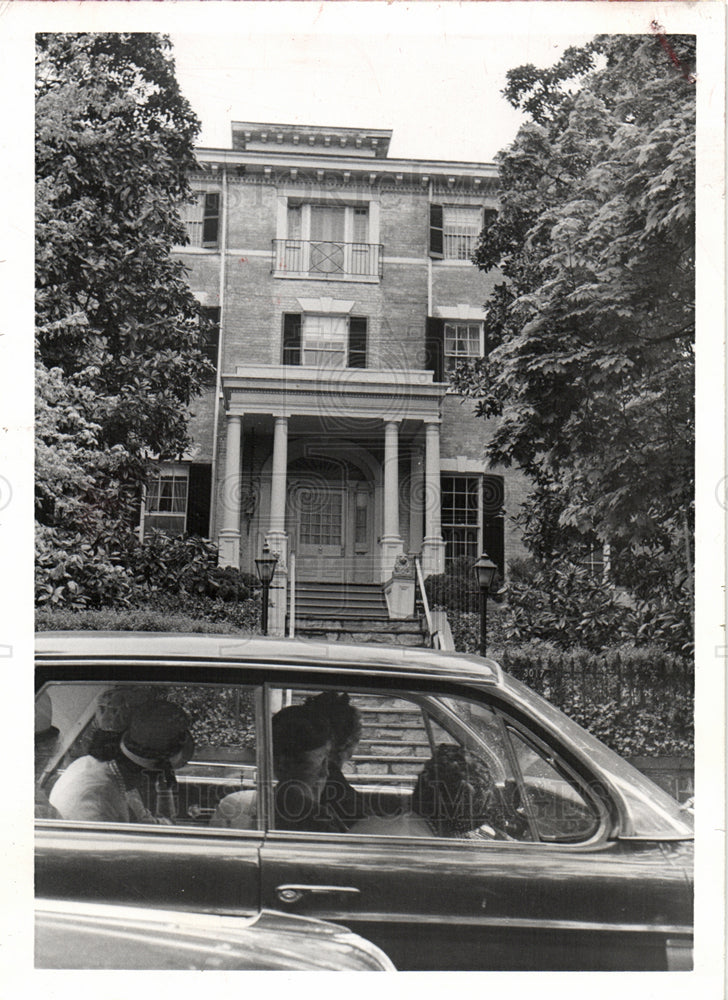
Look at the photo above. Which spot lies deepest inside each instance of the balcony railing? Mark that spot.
(323, 259)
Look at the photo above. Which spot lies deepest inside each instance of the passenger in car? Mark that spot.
(455, 796)
(156, 742)
(46, 742)
(112, 718)
(344, 720)
(302, 743)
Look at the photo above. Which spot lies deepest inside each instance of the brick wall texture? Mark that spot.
(396, 307)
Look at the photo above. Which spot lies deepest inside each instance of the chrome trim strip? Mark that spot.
(518, 922)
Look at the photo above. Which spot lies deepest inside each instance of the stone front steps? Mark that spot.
(352, 612)
(395, 633)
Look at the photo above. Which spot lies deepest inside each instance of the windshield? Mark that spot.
(647, 812)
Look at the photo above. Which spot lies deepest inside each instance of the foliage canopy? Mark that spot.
(118, 337)
(590, 369)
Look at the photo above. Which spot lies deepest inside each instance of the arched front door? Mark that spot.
(330, 520)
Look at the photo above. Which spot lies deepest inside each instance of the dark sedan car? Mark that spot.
(72, 935)
(573, 861)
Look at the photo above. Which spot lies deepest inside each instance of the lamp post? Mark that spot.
(265, 567)
(485, 570)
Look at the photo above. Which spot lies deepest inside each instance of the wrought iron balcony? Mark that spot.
(324, 259)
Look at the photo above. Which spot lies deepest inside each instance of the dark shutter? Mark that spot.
(211, 333)
(494, 521)
(435, 347)
(436, 237)
(198, 501)
(357, 342)
(211, 219)
(291, 338)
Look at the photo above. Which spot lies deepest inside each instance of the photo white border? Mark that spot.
(18, 22)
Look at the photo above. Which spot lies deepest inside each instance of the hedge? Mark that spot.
(189, 616)
(637, 700)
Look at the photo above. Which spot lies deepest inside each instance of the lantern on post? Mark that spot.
(485, 570)
(265, 567)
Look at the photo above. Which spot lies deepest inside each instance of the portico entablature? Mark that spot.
(285, 391)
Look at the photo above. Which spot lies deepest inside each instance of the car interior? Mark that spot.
(540, 798)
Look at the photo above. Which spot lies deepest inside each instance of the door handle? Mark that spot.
(293, 893)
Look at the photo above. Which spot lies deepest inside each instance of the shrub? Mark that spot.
(456, 589)
(72, 571)
(185, 564)
(465, 628)
(114, 569)
(161, 615)
(565, 605)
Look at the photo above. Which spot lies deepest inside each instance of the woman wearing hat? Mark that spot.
(92, 788)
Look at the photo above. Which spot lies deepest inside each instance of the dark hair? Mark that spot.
(103, 744)
(343, 718)
(456, 791)
(297, 729)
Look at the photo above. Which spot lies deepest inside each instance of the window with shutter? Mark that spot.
(357, 342)
(291, 339)
(211, 219)
(461, 226)
(202, 219)
(436, 231)
(434, 347)
(494, 521)
(324, 341)
(198, 504)
(210, 328)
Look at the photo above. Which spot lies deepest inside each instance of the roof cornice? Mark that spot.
(423, 170)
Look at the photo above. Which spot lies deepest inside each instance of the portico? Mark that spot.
(351, 478)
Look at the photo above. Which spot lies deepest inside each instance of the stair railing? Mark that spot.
(292, 595)
(433, 634)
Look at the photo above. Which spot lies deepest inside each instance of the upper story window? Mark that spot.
(454, 230)
(327, 241)
(324, 341)
(202, 219)
(462, 342)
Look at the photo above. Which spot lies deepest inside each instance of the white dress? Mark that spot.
(91, 789)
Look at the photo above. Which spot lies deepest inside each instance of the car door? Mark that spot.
(185, 864)
(553, 893)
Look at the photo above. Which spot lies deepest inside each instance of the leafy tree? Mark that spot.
(590, 369)
(118, 331)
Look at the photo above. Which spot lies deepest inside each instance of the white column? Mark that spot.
(278, 476)
(276, 537)
(229, 537)
(416, 507)
(433, 546)
(391, 541)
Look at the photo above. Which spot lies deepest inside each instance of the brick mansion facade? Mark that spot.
(341, 293)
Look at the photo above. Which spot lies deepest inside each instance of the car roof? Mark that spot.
(242, 649)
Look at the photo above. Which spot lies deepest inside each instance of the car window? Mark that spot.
(552, 799)
(168, 753)
(417, 764)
